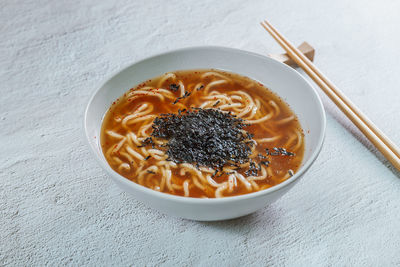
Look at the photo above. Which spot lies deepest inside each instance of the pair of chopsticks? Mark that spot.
(365, 125)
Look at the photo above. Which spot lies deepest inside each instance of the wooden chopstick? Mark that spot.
(340, 94)
(376, 136)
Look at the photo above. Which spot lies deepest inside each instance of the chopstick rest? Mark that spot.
(305, 48)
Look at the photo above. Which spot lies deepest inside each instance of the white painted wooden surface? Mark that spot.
(58, 207)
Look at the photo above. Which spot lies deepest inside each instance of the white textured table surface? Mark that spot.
(58, 207)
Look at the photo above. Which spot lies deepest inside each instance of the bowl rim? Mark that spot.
(165, 196)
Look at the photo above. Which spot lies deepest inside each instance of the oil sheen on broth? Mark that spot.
(274, 136)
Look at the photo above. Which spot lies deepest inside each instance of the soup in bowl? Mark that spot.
(202, 133)
(197, 134)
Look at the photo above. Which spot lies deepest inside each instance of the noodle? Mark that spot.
(119, 145)
(220, 190)
(134, 153)
(216, 74)
(137, 94)
(165, 78)
(182, 88)
(115, 135)
(212, 84)
(269, 139)
(232, 183)
(285, 120)
(124, 167)
(186, 188)
(168, 177)
(246, 183)
(212, 182)
(128, 126)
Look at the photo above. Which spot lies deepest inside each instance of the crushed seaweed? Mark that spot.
(187, 94)
(278, 151)
(206, 137)
(200, 87)
(174, 87)
(253, 169)
(147, 141)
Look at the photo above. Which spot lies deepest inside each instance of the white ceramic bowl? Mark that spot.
(283, 80)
